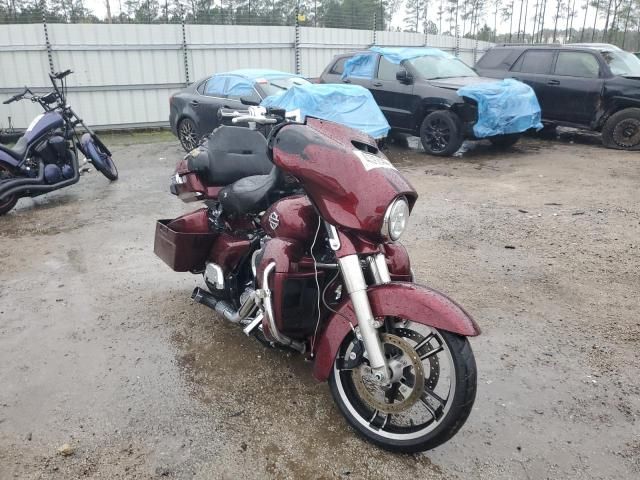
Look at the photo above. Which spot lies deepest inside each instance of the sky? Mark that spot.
(99, 8)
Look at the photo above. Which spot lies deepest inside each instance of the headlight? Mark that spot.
(395, 219)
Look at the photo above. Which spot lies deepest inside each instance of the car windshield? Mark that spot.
(277, 85)
(622, 63)
(431, 67)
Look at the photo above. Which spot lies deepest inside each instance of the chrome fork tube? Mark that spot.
(357, 290)
(378, 267)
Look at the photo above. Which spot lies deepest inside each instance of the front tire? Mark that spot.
(433, 418)
(622, 130)
(441, 133)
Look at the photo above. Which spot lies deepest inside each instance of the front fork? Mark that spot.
(357, 289)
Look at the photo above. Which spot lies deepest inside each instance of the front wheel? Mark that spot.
(98, 154)
(428, 399)
(622, 130)
(441, 133)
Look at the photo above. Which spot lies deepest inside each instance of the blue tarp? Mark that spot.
(240, 82)
(506, 106)
(350, 105)
(363, 65)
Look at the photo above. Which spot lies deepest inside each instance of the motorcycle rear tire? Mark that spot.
(7, 204)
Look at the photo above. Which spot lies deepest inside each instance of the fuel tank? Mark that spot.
(293, 218)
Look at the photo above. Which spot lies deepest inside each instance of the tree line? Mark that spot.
(523, 21)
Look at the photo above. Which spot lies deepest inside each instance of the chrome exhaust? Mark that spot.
(223, 308)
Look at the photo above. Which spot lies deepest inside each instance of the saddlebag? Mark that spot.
(184, 243)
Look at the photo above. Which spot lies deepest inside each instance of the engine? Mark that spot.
(57, 159)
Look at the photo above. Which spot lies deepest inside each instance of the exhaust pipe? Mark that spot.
(36, 185)
(223, 308)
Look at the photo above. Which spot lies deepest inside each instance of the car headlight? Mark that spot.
(395, 219)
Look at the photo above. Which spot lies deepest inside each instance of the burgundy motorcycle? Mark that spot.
(298, 244)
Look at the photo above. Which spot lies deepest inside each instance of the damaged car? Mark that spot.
(587, 86)
(436, 96)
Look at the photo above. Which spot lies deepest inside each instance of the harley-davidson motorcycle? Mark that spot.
(45, 158)
(298, 244)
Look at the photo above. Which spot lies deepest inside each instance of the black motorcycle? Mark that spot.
(45, 158)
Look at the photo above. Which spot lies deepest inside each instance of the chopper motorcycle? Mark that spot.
(298, 245)
(45, 158)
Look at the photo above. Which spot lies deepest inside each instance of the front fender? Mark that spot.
(405, 300)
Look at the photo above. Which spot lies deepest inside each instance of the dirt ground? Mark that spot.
(101, 347)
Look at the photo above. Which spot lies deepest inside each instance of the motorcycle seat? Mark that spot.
(18, 150)
(229, 154)
(249, 194)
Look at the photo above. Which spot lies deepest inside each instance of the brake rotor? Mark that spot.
(409, 391)
(434, 360)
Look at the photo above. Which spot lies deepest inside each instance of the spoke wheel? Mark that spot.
(429, 397)
(627, 133)
(188, 135)
(441, 133)
(8, 202)
(622, 130)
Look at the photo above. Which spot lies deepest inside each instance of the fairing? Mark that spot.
(342, 171)
(396, 299)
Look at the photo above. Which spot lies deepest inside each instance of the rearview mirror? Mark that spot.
(404, 77)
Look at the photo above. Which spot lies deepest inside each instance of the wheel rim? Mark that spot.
(423, 405)
(188, 135)
(437, 135)
(627, 133)
(5, 174)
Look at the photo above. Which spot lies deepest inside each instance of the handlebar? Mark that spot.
(12, 99)
(255, 114)
(60, 75)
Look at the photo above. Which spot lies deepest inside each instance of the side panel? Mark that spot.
(397, 299)
(292, 217)
(227, 251)
(8, 159)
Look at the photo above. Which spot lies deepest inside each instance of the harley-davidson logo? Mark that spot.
(274, 220)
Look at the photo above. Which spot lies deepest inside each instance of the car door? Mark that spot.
(205, 105)
(533, 67)
(395, 99)
(577, 87)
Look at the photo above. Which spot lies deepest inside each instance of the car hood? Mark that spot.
(454, 83)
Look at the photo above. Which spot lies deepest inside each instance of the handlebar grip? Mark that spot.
(11, 100)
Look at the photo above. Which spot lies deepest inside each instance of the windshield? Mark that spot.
(431, 67)
(622, 63)
(277, 85)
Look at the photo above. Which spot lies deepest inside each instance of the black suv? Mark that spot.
(419, 97)
(590, 86)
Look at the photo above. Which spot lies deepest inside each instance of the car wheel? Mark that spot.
(505, 141)
(441, 133)
(622, 130)
(188, 134)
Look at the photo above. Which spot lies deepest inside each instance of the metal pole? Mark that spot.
(373, 33)
(184, 49)
(43, 5)
(296, 44)
(457, 31)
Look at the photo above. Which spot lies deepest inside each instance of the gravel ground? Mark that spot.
(101, 348)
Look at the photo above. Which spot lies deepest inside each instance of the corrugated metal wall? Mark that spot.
(124, 74)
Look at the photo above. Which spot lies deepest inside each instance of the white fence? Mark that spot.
(124, 74)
